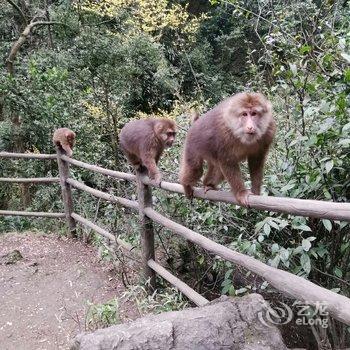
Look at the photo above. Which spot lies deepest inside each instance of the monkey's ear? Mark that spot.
(268, 107)
(158, 128)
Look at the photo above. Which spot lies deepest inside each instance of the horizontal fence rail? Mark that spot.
(198, 299)
(102, 232)
(99, 194)
(27, 155)
(287, 283)
(30, 180)
(294, 206)
(32, 213)
(116, 174)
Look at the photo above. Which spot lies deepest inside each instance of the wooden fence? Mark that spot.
(287, 283)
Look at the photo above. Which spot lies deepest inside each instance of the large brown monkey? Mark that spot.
(143, 142)
(239, 128)
(64, 138)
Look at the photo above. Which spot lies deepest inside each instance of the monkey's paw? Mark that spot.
(209, 188)
(157, 179)
(242, 198)
(188, 191)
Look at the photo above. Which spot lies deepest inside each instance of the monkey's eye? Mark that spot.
(254, 114)
(171, 133)
(244, 114)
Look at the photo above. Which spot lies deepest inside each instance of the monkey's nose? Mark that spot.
(250, 130)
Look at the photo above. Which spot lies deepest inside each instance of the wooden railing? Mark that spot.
(287, 283)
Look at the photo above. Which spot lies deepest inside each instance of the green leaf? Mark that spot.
(241, 291)
(267, 229)
(293, 68)
(344, 142)
(287, 187)
(259, 225)
(345, 56)
(327, 224)
(298, 250)
(201, 260)
(305, 49)
(306, 245)
(346, 127)
(329, 165)
(338, 272)
(261, 238)
(305, 263)
(284, 254)
(232, 291)
(275, 261)
(347, 75)
(275, 248)
(303, 228)
(228, 274)
(274, 225)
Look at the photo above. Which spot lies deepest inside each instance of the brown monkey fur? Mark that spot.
(143, 142)
(239, 128)
(64, 138)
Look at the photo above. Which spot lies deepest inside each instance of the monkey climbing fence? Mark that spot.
(287, 283)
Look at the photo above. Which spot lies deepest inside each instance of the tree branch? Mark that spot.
(21, 40)
(18, 9)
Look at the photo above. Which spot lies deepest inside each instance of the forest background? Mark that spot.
(94, 65)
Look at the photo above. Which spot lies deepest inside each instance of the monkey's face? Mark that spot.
(249, 123)
(166, 132)
(70, 138)
(168, 137)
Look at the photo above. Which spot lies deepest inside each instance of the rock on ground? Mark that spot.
(226, 323)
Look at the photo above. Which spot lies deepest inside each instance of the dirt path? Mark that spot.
(43, 297)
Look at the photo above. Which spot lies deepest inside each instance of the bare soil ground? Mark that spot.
(43, 297)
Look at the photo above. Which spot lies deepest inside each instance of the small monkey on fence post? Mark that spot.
(239, 128)
(143, 142)
(64, 138)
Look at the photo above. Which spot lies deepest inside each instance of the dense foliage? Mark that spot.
(101, 63)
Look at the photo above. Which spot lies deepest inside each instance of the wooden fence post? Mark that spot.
(63, 168)
(147, 234)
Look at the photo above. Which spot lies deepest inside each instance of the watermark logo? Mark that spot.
(301, 312)
(275, 315)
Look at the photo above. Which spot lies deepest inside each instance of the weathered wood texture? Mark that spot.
(146, 229)
(37, 180)
(98, 169)
(67, 198)
(102, 232)
(287, 283)
(33, 213)
(99, 194)
(27, 155)
(302, 207)
(181, 286)
(312, 208)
